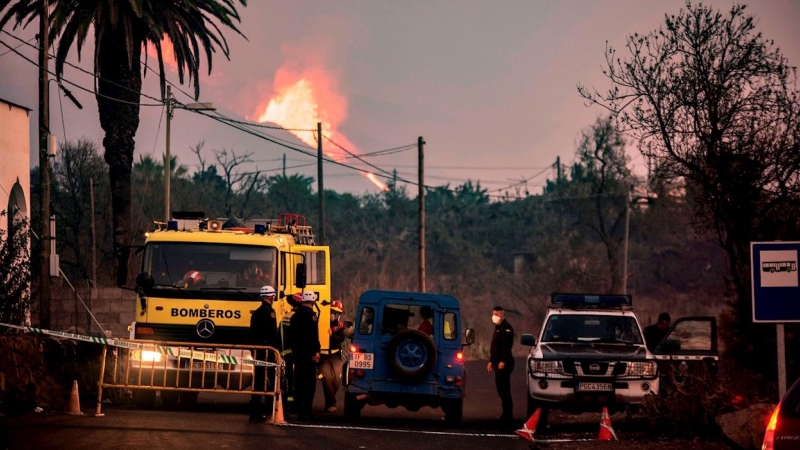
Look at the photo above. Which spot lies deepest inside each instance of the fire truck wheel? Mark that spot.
(169, 398)
(411, 355)
(189, 398)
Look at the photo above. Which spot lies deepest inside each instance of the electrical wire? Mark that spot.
(158, 130)
(75, 84)
(15, 48)
(239, 124)
(93, 75)
(520, 183)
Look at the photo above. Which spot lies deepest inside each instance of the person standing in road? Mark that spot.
(501, 361)
(305, 350)
(263, 331)
(331, 359)
(654, 334)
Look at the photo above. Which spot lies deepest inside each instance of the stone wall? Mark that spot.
(113, 308)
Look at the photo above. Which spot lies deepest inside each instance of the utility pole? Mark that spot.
(44, 164)
(167, 170)
(320, 187)
(421, 165)
(284, 165)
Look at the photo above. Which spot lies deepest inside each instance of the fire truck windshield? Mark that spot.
(188, 266)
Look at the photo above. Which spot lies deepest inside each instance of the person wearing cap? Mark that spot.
(263, 332)
(306, 352)
(331, 359)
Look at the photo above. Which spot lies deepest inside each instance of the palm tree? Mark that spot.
(121, 31)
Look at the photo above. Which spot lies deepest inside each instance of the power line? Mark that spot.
(77, 85)
(524, 181)
(20, 45)
(81, 69)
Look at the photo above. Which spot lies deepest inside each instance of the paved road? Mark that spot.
(220, 421)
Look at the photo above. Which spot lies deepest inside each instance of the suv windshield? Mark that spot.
(217, 268)
(587, 328)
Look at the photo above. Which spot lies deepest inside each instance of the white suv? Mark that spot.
(591, 353)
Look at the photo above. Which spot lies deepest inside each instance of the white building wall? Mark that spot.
(15, 151)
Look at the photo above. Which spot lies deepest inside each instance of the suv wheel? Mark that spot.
(352, 407)
(453, 410)
(411, 355)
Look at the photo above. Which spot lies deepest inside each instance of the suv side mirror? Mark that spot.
(469, 336)
(527, 340)
(300, 275)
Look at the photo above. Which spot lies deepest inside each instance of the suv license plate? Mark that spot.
(595, 387)
(362, 360)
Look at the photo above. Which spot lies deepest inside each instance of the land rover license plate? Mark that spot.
(594, 387)
(362, 360)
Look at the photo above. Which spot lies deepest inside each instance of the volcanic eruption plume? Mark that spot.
(300, 101)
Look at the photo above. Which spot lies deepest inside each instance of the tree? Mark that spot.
(122, 29)
(712, 102)
(15, 282)
(600, 182)
(77, 163)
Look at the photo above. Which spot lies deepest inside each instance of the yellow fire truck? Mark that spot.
(200, 281)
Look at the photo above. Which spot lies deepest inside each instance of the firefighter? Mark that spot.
(263, 331)
(331, 359)
(287, 388)
(305, 350)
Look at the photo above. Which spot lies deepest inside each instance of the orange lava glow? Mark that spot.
(167, 52)
(300, 101)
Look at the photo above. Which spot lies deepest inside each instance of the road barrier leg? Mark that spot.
(98, 411)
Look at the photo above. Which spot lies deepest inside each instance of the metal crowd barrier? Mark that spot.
(190, 367)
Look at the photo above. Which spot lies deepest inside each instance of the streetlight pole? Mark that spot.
(170, 106)
(167, 171)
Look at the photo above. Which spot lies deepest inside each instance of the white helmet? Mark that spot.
(267, 291)
(309, 296)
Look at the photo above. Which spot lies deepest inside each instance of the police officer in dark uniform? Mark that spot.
(501, 361)
(305, 349)
(263, 331)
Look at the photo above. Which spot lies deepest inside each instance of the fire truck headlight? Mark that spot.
(149, 356)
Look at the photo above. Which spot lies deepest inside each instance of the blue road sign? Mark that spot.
(776, 285)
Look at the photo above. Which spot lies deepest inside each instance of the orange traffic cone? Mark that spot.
(74, 400)
(606, 432)
(277, 418)
(529, 428)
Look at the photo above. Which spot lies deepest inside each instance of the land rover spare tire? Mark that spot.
(411, 355)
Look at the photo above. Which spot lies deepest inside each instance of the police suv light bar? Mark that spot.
(588, 299)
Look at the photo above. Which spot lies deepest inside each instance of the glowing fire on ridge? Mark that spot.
(302, 101)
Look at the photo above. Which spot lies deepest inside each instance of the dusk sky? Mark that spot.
(491, 86)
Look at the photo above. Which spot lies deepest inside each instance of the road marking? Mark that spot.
(438, 433)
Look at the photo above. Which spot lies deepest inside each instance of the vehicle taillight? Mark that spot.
(460, 356)
(772, 426)
(353, 373)
(353, 349)
(458, 381)
(145, 330)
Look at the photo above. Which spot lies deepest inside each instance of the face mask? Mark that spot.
(496, 319)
